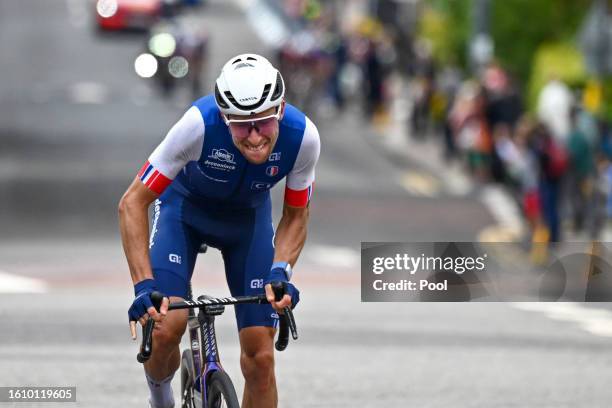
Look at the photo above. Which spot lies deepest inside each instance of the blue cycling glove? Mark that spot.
(142, 302)
(278, 274)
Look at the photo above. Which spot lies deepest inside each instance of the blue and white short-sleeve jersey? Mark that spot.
(198, 158)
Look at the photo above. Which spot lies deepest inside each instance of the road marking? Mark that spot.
(243, 4)
(592, 320)
(505, 212)
(20, 284)
(77, 12)
(419, 183)
(88, 93)
(457, 183)
(498, 233)
(335, 256)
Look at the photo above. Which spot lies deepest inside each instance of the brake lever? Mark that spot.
(146, 347)
(291, 322)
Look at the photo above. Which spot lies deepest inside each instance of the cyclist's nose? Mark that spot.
(254, 135)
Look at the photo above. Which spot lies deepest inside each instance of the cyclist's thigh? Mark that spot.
(173, 245)
(247, 264)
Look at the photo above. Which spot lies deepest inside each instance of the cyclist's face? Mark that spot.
(256, 138)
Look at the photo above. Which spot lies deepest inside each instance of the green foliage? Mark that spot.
(605, 111)
(560, 60)
(521, 27)
(518, 27)
(446, 24)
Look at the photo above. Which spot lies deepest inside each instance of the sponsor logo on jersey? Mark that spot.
(276, 156)
(174, 258)
(156, 212)
(261, 185)
(257, 284)
(272, 171)
(222, 155)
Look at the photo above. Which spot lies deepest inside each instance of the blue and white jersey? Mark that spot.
(198, 159)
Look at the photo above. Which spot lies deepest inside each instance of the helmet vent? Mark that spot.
(243, 65)
(278, 88)
(251, 59)
(236, 60)
(220, 100)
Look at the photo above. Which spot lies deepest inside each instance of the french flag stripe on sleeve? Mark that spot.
(145, 170)
(298, 198)
(153, 179)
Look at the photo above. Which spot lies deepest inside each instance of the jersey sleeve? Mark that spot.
(300, 180)
(182, 144)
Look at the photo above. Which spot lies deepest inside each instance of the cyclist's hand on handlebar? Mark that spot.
(280, 305)
(142, 307)
(291, 295)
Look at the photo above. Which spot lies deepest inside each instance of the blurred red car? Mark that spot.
(127, 14)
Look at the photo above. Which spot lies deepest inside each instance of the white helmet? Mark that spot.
(248, 85)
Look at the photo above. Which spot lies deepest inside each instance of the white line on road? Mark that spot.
(420, 184)
(339, 257)
(20, 284)
(593, 320)
(88, 93)
(243, 4)
(77, 12)
(505, 212)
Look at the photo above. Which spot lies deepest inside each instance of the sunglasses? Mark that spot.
(241, 128)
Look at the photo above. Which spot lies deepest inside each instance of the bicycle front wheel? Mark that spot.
(221, 392)
(187, 397)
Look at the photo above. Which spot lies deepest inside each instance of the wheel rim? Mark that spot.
(220, 402)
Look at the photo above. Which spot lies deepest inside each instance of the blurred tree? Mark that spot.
(518, 28)
(446, 25)
(561, 60)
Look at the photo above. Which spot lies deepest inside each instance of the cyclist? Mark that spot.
(210, 179)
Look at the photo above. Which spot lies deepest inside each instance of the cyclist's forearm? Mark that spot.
(134, 226)
(290, 235)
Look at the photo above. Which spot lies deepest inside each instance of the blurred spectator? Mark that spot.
(502, 109)
(527, 172)
(554, 104)
(373, 74)
(339, 52)
(553, 162)
(602, 199)
(581, 170)
(449, 82)
(470, 128)
(503, 101)
(423, 90)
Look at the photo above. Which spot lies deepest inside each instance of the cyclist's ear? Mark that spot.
(282, 109)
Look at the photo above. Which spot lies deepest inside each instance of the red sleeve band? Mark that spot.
(153, 179)
(298, 198)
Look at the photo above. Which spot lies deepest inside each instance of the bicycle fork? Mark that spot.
(206, 359)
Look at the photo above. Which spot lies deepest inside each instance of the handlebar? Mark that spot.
(286, 319)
